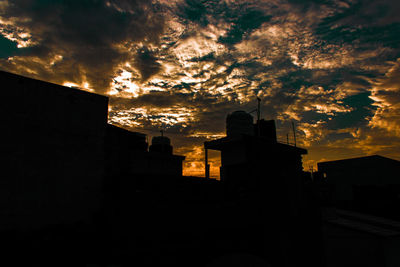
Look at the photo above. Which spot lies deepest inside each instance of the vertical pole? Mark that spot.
(162, 145)
(287, 138)
(294, 134)
(258, 115)
(207, 167)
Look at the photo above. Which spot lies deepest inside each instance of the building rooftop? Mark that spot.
(8, 78)
(372, 158)
(221, 143)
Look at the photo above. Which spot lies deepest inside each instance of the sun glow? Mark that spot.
(71, 85)
(158, 117)
(84, 86)
(194, 162)
(124, 85)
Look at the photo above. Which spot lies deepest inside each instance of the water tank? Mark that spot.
(161, 144)
(238, 123)
(266, 129)
(160, 140)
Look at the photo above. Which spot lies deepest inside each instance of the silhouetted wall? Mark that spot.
(252, 163)
(64, 165)
(263, 181)
(121, 147)
(127, 156)
(365, 179)
(52, 152)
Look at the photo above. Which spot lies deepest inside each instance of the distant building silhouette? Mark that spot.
(259, 172)
(252, 159)
(354, 192)
(369, 184)
(128, 154)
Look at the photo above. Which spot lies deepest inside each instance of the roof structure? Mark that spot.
(372, 158)
(220, 144)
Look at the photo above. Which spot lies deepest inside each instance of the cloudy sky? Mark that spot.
(330, 66)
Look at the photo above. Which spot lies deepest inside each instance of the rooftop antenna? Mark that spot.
(258, 109)
(258, 115)
(206, 165)
(162, 146)
(294, 134)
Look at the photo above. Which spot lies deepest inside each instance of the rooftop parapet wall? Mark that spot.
(53, 152)
(28, 102)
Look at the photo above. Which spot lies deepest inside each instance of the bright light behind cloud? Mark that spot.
(10, 30)
(124, 86)
(85, 86)
(69, 84)
(163, 118)
(184, 65)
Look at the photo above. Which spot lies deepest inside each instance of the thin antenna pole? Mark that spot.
(294, 134)
(258, 116)
(162, 145)
(206, 165)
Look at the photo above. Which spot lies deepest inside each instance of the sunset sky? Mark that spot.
(330, 66)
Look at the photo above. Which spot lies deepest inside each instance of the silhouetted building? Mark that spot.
(251, 161)
(370, 184)
(52, 153)
(127, 155)
(160, 159)
(69, 178)
(122, 146)
(81, 188)
(265, 178)
(266, 129)
(161, 144)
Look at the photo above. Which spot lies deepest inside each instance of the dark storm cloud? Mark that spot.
(195, 11)
(250, 20)
(242, 17)
(7, 47)
(146, 63)
(370, 12)
(361, 110)
(307, 2)
(357, 26)
(89, 32)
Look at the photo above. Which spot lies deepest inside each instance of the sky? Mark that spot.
(332, 67)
